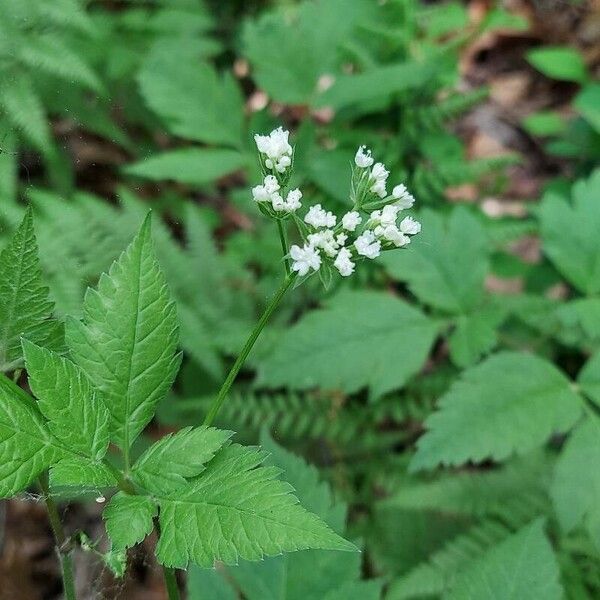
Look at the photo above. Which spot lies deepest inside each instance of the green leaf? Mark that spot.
(447, 263)
(127, 341)
(360, 339)
(474, 336)
(544, 123)
(209, 583)
(79, 472)
(587, 102)
(239, 510)
(192, 98)
(165, 466)
(24, 109)
(48, 53)
(522, 567)
(306, 575)
(76, 414)
(570, 234)
(25, 309)
(559, 62)
(511, 403)
(129, 519)
(377, 83)
(272, 44)
(576, 486)
(589, 378)
(194, 166)
(26, 445)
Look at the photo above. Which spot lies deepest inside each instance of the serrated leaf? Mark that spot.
(509, 404)
(570, 234)
(129, 519)
(360, 339)
(272, 42)
(26, 445)
(190, 97)
(48, 53)
(332, 574)
(127, 341)
(474, 336)
(25, 309)
(194, 166)
(446, 264)
(24, 109)
(76, 414)
(576, 486)
(81, 473)
(523, 567)
(165, 466)
(239, 510)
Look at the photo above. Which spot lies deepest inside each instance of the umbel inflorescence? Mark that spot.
(371, 226)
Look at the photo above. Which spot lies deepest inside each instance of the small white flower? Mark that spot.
(304, 259)
(379, 188)
(367, 245)
(318, 217)
(351, 220)
(389, 214)
(276, 148)
(341, 239)
(325, 240)
(292, 202)
(283, 163)
(260, 194)
(404, 199)
(271, 184)
(379, 172)
(391, 233)
(343, 263)
(410, 226)
(363, 158)
(278, 202)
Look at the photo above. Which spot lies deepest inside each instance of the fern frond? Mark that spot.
(431, 578)
(437, 115)
(431, 181)
(21, 106)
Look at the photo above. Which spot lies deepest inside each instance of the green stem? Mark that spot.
(171, 583)
(64, 553)
(284, 245)
(241, 359)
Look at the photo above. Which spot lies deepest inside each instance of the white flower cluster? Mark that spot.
(364, 232)
(269, 192)
(276, 149)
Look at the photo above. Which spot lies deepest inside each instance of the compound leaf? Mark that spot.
(522, 567)
(446, 264)
(508, 404)
(360, 339)
(570, 234)
(576, 486)
(238, 510)
(191, 97)
(166, 465)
